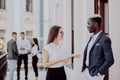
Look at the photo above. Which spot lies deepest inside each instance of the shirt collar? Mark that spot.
(96, 35)
(13, 39)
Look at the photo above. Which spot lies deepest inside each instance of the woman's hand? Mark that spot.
(77, 55)
(74, 55)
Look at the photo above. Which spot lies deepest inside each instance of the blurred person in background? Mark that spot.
(34, 52)
(23, 49)
(12, 55)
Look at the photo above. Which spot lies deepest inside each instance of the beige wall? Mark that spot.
(114, 27)
(17, 19)
(82, 10)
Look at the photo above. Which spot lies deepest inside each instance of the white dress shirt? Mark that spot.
(24, 43)
(34, 50)
(55, 52)
(90, 44)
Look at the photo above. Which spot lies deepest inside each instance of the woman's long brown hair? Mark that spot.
(53, 33)
(36, 42)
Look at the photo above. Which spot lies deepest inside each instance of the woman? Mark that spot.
(34, 52)
(53, 55)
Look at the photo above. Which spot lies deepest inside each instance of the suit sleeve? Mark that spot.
(7, 46)
(15, 49)
(108, 55)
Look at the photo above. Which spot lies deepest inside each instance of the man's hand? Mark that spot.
(22, 48)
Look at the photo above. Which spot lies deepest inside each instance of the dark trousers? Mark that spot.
(56, 74)
(34, 64)
(23, 57)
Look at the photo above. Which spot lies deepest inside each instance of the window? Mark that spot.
(2, 4)
(29, 35)
(29, 5)
(1, 43)
(2, 32)
(2, 39)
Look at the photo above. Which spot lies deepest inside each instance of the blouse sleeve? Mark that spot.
(46, 48)
(34, 50)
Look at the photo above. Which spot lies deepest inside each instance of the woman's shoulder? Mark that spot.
(35, 46)
(48, 46)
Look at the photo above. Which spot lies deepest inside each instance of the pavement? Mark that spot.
(31, 74)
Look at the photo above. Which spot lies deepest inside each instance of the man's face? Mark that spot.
(15, 36)
(91, 26)
(22, 36)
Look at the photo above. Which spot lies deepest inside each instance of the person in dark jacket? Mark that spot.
(12, 55)
(98, 55)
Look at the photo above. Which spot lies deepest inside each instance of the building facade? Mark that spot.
(35, 17)
(21, 15)
(72, 15)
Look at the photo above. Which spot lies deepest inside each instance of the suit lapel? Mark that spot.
(88, 43)
(98, 38)
(85, 51)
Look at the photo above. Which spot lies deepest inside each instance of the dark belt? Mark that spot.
(24, 54)
(87, 66)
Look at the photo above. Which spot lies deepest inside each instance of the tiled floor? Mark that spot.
(42, 74)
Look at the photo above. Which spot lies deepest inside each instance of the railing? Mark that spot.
(3, 65)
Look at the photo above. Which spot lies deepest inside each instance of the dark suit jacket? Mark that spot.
(100, 56)
(12, 49)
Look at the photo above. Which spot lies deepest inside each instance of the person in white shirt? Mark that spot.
(23, 49)
(54, 55)
(34, 52)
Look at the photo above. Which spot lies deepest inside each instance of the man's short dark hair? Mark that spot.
(14, 33)
(22, 33)
(97, 20)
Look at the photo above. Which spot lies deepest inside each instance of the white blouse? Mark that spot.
(34, 50)
(55, 52)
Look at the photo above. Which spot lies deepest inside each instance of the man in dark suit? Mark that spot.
(98, 55)
(12, 55)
